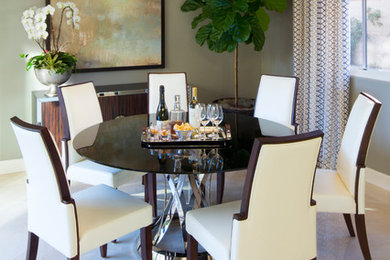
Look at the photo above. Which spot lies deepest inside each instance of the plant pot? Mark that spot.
(51, 79)
(245, 105)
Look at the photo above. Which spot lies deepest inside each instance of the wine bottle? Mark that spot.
(162, 110)
(193, 113)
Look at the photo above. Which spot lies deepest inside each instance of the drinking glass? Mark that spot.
(213, 113)
(217, 161)
(165, 133)
(153, 132)
(210, 164)
(219, 119)
(204, 118)
(177, 165)
(203, 164)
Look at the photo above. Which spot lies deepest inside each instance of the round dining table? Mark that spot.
(186, 171)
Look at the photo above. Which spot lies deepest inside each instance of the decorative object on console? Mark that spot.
(53, 66)
(229, 23)
(117, 35)
(51, 79)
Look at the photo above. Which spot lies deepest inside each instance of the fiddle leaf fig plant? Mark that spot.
(224, 24)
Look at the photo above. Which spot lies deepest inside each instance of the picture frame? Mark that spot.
(115, 35)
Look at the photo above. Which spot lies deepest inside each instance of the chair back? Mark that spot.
(277, 219)
(51, 210)
(80, 109)
(356, 139)
(175, 83)
(276, 98)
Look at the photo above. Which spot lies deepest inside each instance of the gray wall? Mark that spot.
(211, 72)
(277, 55)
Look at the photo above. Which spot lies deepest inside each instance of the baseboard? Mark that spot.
(11, 166)
(378, 178)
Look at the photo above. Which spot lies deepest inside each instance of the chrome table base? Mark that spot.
(172, 221)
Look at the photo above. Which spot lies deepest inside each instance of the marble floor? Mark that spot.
(332, 236)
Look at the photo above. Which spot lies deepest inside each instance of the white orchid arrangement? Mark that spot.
(34, 21)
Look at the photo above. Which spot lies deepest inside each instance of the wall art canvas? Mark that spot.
(115, 34)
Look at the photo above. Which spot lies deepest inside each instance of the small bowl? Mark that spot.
(183, 134)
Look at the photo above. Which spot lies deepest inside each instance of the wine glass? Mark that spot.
(204, 118)
(203, 163)
(210, 164)
(213, 114)
(219, 119)
(217, 161)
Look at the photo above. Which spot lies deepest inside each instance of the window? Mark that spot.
(370, 33)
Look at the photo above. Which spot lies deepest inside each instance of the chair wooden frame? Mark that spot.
(66, 198)
(361, 164)
(192, 244)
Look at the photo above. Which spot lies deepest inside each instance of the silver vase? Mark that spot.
(51, 79)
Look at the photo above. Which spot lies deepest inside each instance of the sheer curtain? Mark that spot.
(322, 62)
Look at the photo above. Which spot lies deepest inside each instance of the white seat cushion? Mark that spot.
(105, 214)
(212, 227)
(331, 194)
(93, 173)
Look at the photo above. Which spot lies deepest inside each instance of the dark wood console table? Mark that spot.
(115, 101)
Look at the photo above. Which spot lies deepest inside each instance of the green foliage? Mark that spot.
(276, 5)
(60, 62)
(356, 35)
(226, 23)
(374, 17)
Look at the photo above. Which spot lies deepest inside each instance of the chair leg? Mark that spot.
(151, 190)
(362, 235)
(348, 221)
(32, 246)
(146, 242)
(74, 258)
(103, 251)
(145, 183)
(192, 248)
(220, 186)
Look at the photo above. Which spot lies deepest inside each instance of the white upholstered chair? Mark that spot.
(73, 223)
(276, 99)
(80, 109)
(276, 218)
(175, 83)
(343, 190)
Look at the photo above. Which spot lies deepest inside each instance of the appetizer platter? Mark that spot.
(183, 135)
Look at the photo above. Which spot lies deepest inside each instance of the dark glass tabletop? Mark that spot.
(117, 143)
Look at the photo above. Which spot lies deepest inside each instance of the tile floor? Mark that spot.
(332, 236)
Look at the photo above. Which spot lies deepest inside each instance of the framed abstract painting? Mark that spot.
(115, 34)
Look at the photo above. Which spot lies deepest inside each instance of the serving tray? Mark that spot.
(224, 140)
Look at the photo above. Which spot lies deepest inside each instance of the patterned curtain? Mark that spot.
(322, 63)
